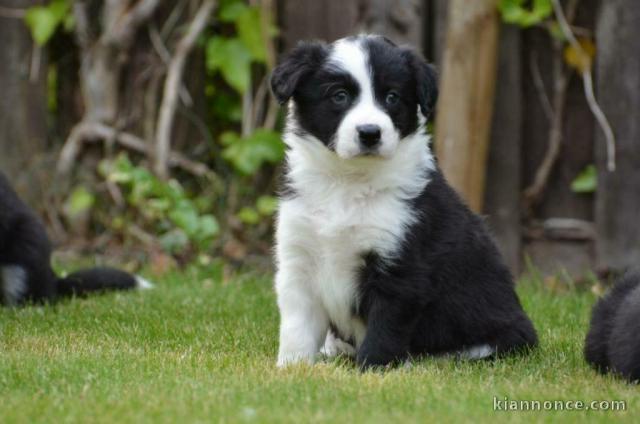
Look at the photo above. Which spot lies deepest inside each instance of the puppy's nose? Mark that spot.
(369, 135)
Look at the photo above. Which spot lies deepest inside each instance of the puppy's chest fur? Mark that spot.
(340, 225)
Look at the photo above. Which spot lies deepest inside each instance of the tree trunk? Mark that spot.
(23, 113)
(618, 81)
(467, 93)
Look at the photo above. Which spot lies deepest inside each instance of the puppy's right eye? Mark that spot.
(340, 97)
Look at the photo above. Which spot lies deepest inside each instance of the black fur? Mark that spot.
(24, 246)
(448, 290)
(613, 341)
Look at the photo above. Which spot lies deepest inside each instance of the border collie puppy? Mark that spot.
(25, 251)
(376, 254)
(613, 343)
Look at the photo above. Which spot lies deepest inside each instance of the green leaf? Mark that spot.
(516, 12)
(80, 201)
(185, 216)
(249, 25)
(230, 11)
(208, 227)
(232, 58)
(228, 138)
(267, 205)
(586, 181)
(248, 216)
(174, 241)
(248, 154)
(44, 20)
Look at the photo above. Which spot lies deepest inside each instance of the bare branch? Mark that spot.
(172, 20)
(92, 131)
(539, 86)
(247, 111)
(82, 28)
(121, 29)
(588, 87)
(12, 12)
(165, 56)
(534, 192)
(36, 59)
(172, 87)
(587, 82)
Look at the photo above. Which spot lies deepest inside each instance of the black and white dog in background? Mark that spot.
(376, 254)
(613, 341)
(25, 254)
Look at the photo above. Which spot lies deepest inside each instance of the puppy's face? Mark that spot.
(359, 96)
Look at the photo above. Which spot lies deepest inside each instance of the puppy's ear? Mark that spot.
(303, 59)
(427, 83)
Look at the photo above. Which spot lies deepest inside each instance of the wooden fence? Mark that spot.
(564, 231)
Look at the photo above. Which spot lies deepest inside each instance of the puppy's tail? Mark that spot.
(97, 280)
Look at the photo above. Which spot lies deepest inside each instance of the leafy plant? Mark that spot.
(165, 207)
(265, 207)
(233, 56)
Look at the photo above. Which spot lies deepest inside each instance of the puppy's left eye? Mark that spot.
(341, 97)
(392, 98)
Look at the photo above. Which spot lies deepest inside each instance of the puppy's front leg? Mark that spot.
(303, 321)
(390, 325)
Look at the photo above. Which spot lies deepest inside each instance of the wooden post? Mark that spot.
(502, 193)
(618, 194)
(23, 104)
(467, 92)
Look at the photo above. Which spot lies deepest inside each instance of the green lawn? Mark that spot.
(197, 350)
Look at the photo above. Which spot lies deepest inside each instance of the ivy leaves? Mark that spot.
(233, 56)
(516, 12)
(248, 154)
(43, 21)
(165, 207)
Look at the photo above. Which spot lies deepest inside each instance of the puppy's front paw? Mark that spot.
(292, 358)
(368, 359)
(333, 346)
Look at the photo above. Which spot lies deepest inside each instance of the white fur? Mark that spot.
(333, 346)
(342, 209)
(14, 283)
(477, 352)
(142, 284)
(349, 55)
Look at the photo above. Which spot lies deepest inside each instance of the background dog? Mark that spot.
(613, 342)
(25, 256)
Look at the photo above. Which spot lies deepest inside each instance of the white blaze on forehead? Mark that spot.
(349, 54)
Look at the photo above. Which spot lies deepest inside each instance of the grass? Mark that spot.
(196, 350)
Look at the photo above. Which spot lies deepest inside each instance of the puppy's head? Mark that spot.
(360, 96)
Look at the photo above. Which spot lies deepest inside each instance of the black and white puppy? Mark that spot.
(375, 252)
(613, 341)
(25, 253)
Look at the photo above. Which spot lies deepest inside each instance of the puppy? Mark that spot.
(371, 242)
(612, 344)
(25, 269)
